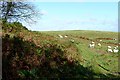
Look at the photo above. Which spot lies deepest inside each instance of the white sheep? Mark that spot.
(65, 36)
(91, 45)
(92, 42)
(109, 46)
(72, 40)
(109, 49)
(99, 44)
(60, 36)
(100, 40)
(116, 46)
(115, 50)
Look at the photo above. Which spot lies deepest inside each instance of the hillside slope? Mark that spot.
(35, 55)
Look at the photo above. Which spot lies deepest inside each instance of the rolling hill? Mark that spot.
(43, 55)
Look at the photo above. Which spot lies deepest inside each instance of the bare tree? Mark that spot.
(12, 11)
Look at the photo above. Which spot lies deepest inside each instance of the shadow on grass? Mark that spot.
(25, 61)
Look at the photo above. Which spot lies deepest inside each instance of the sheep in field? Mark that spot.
(99, 44)
(92, 44)
(100, 40)
(109, 46)
(109, 49)
(65, 36)
(60, 36)
(115, 50)
(72, 40)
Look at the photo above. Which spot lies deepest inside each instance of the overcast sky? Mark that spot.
(101, 16)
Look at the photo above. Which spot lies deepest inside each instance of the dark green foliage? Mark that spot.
(13, 27)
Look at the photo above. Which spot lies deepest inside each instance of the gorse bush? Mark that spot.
(13, 27)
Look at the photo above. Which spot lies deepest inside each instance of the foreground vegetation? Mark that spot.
(43, 55)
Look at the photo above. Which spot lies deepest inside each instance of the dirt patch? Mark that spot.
(105, 38)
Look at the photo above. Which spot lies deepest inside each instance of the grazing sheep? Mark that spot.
(115, 50)
(92, 44)
(65, 36)
(109, 49)
(99, 44)
(100, 40)
(72, 40)
(116, 46)
(60, 36)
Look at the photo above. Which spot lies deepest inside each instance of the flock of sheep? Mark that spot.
(63, 36)
(109, 48)
(92, 45)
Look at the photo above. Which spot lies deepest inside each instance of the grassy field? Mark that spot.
(101, 60)
(98, 60)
